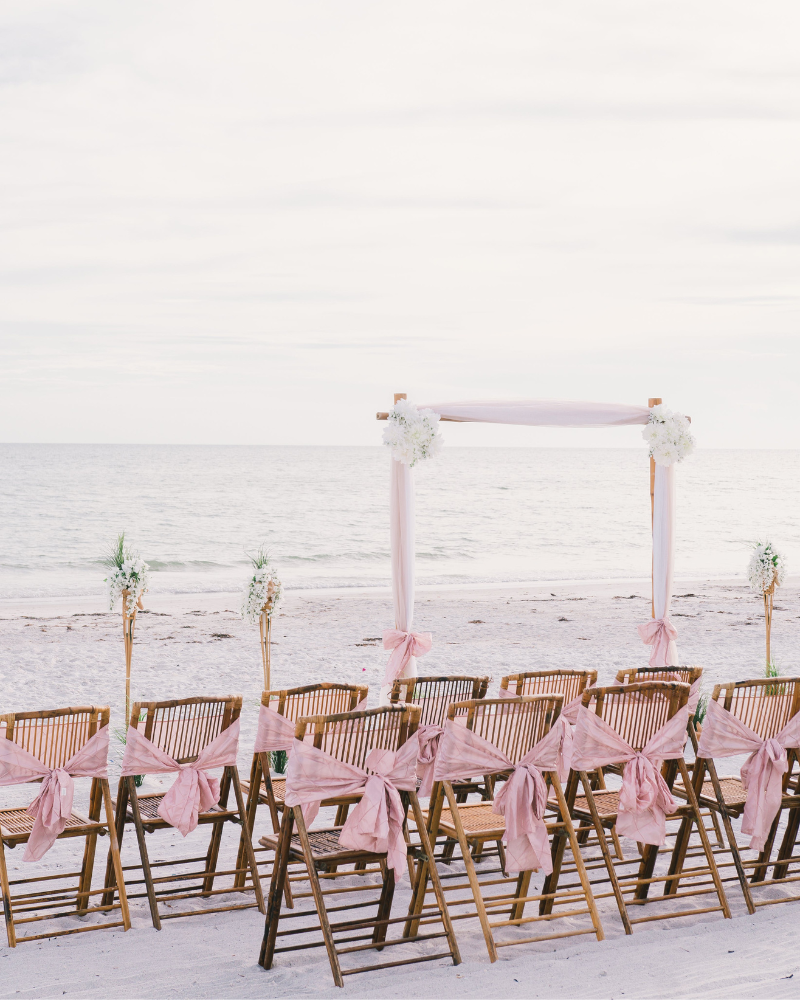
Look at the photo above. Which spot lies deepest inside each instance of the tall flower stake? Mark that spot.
(766, 571)
(129, 579)
(262, 594)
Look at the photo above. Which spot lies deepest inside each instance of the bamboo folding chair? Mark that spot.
(183, 729)
(636, 712)
(764, 705)
(346, 928)
(294, 704)
(54, 737)
(569, 683)
(514, 726)
(434, 695)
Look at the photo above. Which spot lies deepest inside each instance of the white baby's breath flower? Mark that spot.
(412, 434)
(767, 567)
(262, 592)
(669, 436)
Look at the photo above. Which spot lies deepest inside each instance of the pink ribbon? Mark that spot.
(193, 791)
(658, 633)
(404, 645)
(428, 738)
(522, 799)
(275, 732)
(645, 799)
(376, 823)
(762, 773)
(52, 807)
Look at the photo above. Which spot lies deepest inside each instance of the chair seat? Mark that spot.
(606, 800)
(16, 825)
(324, 847)
(148, 809)
(278, 790)
(477, 820)
(734, 794)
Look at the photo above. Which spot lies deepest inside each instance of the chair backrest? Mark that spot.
(55, 735)
(638, 675)
(765, 705)
(185, 727)
(315, 699)
(350, 736)
(637, 711)
(570, 683)
(513, 725)
(435, 694)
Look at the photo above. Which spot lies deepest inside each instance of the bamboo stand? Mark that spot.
(768, 598)
(265, 629)
(128, 623)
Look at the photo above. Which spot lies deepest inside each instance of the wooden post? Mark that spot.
(768, 597)
(128, 623)
(653, 401)
(400, 395)
(265, 629)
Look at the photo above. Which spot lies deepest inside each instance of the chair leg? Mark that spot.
(279, 876)
(601, 836)
(760, 872)
(148, 876)
(701, 829)
(116, 858)
(212, 855)
(246, 840)
(384, 906)
(732, 844)
(87, 865)
(788, 843)
(119, 822)
(8, 912)
(678, 858)
(576, 854)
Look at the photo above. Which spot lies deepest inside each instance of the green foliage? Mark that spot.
(261, 556)
(279, 760)
(116, 554)
(700, 711)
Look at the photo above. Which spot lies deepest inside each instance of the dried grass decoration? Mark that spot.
(261, 596)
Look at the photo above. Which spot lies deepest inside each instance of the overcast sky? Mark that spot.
(252, 222)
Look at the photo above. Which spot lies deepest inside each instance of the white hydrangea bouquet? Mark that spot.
(129, 579)
(767, 571)
(669, 436)
(260, 599)
(412, 434)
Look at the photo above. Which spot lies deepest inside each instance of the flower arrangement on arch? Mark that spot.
(412, 434)
(262, 592)
(669, 435)
(766, 571)
(129, 575)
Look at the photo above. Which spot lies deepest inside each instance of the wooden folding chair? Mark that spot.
(514, 726)
(54, 737)
(183, 729)
(569, 683)
(636, 712)
(346, 928)
(764, 705)
(434, 695)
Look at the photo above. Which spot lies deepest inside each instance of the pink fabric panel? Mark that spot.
(645, 799)
(52, 807)
(506, 693)
(404, 645)
(543, 413)
(428, 738)
(658, 633)
(376, 823)
(762, 773)
(193, 791)
(274, 732)
(694, 696)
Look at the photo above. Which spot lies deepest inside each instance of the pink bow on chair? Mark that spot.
(52, 807)
(429, 738)
(522, 799)
(658, 633)
(376, 823)
(193, 791)
(762, 773)
(404, 645)
(275, 732)
(645, 799)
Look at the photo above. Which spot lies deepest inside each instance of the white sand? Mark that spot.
(54, 652)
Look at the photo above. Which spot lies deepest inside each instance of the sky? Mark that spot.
(253, 222)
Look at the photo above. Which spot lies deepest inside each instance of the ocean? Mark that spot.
(484, 515)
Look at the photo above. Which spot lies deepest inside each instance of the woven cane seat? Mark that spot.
(734, 794)
(148, 810)
(477, 820)
(278, 790)
(324, 846)
(606, 800)
(16, 824)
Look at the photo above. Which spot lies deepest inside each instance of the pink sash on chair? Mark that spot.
(762, 773)
(193, 791)
(376, 823)
(52, 807)
(275, 732)
(522, 799)
(429, 738)
(645, 799)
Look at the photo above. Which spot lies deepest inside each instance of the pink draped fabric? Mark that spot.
(376, 823)
(193, 791)
(404, 645)
(658, 633)
(428, 738)
(543, 413)
(52, 807)
(568, 712)
(762, 773)
(645, 799)
(522, 799)
(274, 732)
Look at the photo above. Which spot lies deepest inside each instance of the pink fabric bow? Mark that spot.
(376, 823)
(522, 799)
(658, 633)
(404, 645)
(275, 732)
(762, 773)
(428, 738)
(52, 807)
(193, 791)
(645, 799)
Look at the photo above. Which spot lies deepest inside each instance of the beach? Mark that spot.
(60, 651)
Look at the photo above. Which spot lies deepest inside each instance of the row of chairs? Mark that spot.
(310, 865)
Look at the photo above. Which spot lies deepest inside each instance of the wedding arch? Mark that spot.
(412, 434)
